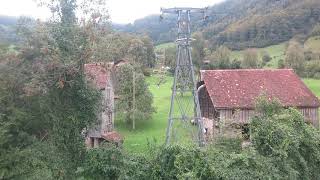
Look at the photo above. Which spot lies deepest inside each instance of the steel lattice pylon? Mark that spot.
(184, 84)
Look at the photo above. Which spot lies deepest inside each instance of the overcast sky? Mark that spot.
(121, 11)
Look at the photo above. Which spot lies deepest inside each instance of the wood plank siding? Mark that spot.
(206, 106)
(311, 115)
(243, 116)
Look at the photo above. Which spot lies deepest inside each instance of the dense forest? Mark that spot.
(240, 24)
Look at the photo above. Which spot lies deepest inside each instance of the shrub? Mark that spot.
(105, 162)
(282, 136)
(266, 57)
(147, 72)
(250, 59)
(235, 64)
(281, 64)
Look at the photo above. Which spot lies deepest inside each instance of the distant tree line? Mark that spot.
(305, 62)
(240, 24)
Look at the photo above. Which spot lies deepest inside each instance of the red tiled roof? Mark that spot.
(98, 74)
(240, 88)
(112, 136)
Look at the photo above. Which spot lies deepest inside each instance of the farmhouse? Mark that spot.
(227, 97)
(100, 76)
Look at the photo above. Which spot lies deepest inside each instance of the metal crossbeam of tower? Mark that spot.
(184, 107)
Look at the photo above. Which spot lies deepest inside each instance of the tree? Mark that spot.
(295, 57)
(135, 99)
(283, 136)
(150, 55)
(198, 49)
(137, 52)
(45, 102)
(281, 64)
(316, 30)
(265, 57)
(170, 58)
(250, 59)
(221, 58)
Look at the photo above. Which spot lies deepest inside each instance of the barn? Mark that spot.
(100, 75)
(227, 97)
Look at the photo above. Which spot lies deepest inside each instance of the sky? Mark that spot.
(121, 11)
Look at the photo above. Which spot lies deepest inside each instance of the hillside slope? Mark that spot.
(241, 23)
(7, 30)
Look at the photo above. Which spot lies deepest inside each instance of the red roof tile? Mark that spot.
(112, 136)
(98, 74)
(240, 88)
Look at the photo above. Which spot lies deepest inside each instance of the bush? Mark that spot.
(316, 30)
(266, 57)
(105, 162)
(282, 136)
(250, 59)
(235, 64)
(283, 147)
(147, 72)
(281, 64)
(312, 69)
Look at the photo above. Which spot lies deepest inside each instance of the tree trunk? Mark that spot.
(134, 101)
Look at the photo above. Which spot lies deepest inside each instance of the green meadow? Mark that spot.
(153, 131)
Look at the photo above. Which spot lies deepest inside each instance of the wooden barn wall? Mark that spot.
(236, 116)
(243, 116)
(311, 115)
(206, 106)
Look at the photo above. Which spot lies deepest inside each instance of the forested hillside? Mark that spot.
(159, 31)
(239, 24)
(7, 31)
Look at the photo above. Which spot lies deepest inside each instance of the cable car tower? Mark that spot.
(184, 107)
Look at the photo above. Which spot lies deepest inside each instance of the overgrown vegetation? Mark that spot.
(135, 99)
(45, 103)
(283, 147)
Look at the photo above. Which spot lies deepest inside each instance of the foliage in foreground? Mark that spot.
(283, 147)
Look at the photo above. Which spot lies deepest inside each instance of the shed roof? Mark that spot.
(98, 74)
(112, 136)
(240, 88)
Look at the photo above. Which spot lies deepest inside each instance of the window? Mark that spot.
(216, 114)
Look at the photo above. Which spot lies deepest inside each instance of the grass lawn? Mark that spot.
(276, 52)
(155, 128)
(314, 85)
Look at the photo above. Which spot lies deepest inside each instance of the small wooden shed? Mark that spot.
(99, 75)
(228, 96)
